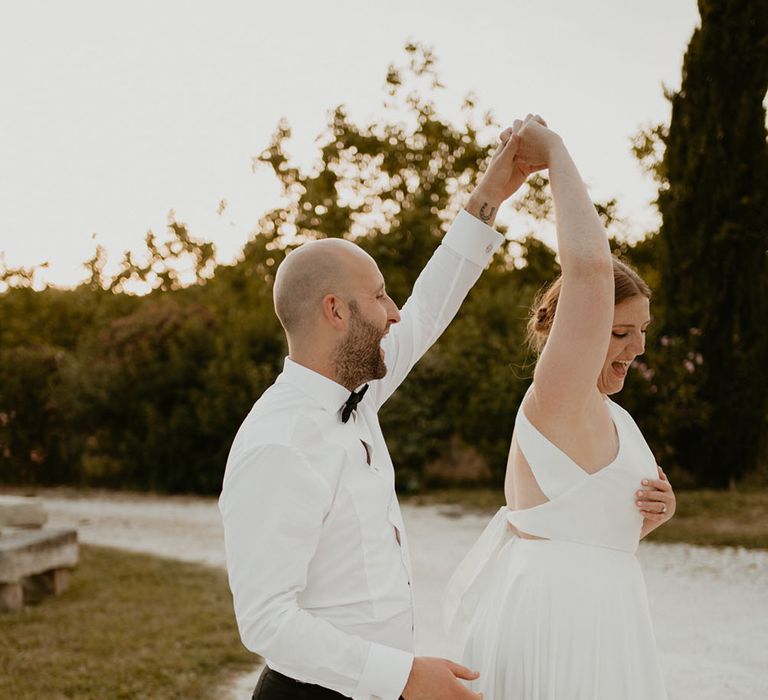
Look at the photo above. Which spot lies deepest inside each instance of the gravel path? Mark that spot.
(710, 605)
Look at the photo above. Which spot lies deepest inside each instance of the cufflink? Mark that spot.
(488, 248)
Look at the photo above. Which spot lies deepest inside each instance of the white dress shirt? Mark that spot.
(316, 549)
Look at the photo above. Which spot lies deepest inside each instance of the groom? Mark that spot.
(316, 549)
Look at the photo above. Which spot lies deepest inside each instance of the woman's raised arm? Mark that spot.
(566, 373)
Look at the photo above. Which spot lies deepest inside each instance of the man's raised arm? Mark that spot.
(454, 268)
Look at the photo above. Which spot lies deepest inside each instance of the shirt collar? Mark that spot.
(330, 395)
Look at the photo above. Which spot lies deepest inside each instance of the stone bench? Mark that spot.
(21, 511)
(34, 562)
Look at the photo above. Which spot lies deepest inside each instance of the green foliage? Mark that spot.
(32, 427)
(713, 241)
(392, 187)
(17, 277)
(38, 338)
(471, 383)
(648, 148)
(98, 386)
(137, 390)
(55, 316)
(163, 264)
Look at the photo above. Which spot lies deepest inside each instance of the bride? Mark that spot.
(551, 602)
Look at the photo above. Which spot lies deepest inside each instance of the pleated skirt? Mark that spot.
(563, 621)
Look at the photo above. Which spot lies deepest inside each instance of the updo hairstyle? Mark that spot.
(627, 284)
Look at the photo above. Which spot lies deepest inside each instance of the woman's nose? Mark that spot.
(638, 344)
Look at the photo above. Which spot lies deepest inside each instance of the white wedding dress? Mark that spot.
(567, 617)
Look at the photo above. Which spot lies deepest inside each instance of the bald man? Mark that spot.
(316, 549)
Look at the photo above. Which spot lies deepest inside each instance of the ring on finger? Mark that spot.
(663, 508)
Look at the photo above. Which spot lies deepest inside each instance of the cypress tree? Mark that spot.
(714, 240)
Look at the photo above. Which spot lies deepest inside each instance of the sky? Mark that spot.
(114, 114)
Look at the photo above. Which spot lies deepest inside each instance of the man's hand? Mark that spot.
(503, 176)
(437, 679)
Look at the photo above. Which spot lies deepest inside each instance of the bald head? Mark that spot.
(309, 273)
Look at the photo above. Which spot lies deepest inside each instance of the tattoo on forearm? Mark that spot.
(486, 215)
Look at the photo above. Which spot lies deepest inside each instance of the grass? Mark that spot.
(130, 626)
(703, 517)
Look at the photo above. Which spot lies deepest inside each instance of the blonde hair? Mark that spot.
(627, 284)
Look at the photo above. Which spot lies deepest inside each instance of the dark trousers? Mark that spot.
(275, 686)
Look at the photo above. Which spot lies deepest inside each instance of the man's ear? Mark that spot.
(335, 311)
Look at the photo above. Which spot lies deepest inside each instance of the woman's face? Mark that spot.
(630, 321)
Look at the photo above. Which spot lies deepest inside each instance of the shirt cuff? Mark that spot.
(385, 673)
(472, 239)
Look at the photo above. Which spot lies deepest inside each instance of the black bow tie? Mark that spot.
(351, 404)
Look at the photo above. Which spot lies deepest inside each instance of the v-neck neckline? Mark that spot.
(568, 457)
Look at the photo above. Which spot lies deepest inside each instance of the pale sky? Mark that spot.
(112, 114)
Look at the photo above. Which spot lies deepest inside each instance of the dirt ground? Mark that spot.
(709, 605)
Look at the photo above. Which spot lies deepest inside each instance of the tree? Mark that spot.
(136, 394)
(713, 240)
(163, 265)
(394, 187)
(34, 434)
(391, 186)
(147, 391)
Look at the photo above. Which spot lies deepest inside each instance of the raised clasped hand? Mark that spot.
(535, 143)
(523, 150)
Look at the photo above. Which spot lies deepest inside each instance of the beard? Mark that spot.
(358, 358)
